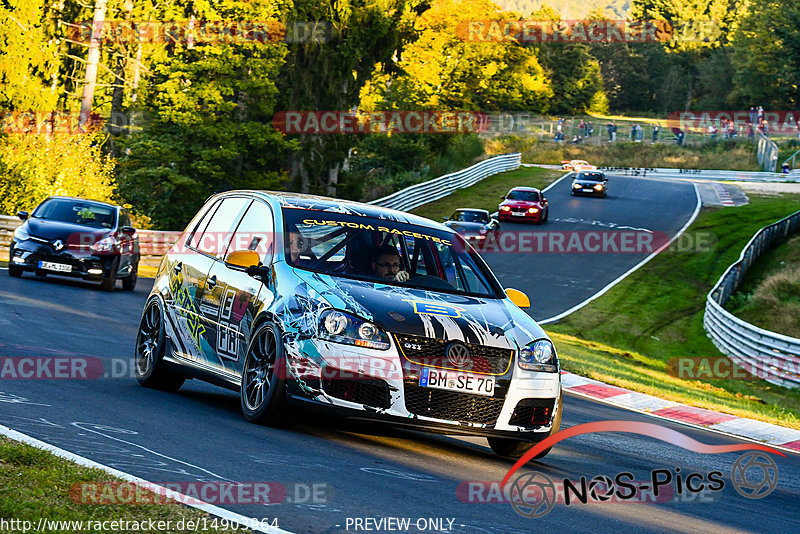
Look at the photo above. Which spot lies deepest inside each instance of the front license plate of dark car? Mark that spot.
(57, 267)
(455, 381)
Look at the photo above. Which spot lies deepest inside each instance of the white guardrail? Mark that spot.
(154, 243)
(419, 194)
(765, 354)
(693, 174)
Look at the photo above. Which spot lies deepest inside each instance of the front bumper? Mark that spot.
(28, 255)
(384, 386)
(527, 217)
(592, 193)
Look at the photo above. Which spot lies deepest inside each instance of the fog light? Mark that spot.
(95, 271)
(17, 259)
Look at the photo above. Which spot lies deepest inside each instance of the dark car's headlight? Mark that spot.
(107, 244)
(538, 356)
(21, 234)
(341, 327)
(576, 186)
(598, 187)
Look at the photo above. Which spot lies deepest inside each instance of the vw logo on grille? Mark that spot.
(458, 354)
(58, 245)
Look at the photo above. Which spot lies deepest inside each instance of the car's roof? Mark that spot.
(78, 199)
(523, 188)
(337, 205)
(475, 210)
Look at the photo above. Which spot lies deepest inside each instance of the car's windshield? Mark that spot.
(366, 248)
(523, 195)
(590, 176)
(77, 212)
(470, 216)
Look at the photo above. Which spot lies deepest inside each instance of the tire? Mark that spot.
(262, 393)
(13, 271)
(150, 346)
(129, 282)
(110, 281)
(546, 214)
(513, 449)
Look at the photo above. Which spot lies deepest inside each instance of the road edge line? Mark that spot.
(86, 462)
(632, 269)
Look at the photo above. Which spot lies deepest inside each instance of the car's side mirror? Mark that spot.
(128, 230)
(518, 297)
(503, 197)
(23, 215)
(243, 258)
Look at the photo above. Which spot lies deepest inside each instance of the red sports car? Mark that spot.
(523, 204)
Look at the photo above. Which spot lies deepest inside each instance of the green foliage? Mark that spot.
(766, 56)
(207, 124)
(27, 57)
(33, 167)
(442, 70)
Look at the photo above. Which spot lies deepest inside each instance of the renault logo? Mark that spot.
(458, 354)
(58, 245)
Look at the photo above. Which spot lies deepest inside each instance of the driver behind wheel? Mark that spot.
(386, 264)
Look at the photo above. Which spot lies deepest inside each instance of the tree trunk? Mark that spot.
(92, 60)
(333, 180)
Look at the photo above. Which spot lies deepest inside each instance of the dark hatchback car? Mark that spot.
(78, 238)
(523, 204)
(592, 183)
(473, 224)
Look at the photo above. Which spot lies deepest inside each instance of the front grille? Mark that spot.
(519, 210)
(452, 405)
(532, 412)
(431, 352)
(368, 391)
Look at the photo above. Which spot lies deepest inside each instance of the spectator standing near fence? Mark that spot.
(724, 127)
(752, 115)
(656, 129)
(750, 133)
(614, 132)
(760, 114)
(582, 128)
(731, 129)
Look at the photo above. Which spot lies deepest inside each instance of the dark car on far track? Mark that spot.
(592, 183)
(523, 204)
(473, 224)
(79, 238)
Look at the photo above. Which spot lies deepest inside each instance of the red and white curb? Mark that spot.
(740, 427)
(723, 194)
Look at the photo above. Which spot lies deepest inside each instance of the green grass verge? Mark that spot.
(769, 296)
(486, 193)
(627, 336)
(35, 484)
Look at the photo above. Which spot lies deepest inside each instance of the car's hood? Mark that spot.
(463, 226)
(67, 232)
(419, 312)
(520, 203)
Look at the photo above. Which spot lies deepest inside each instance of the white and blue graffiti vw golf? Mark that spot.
(304, 302)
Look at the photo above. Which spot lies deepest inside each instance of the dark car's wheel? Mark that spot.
(110, 280)
(509, 448)
(150, 346)
(263, 388)
(129, 282)
(15, 272)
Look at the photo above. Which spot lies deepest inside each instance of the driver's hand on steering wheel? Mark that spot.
(401, 277)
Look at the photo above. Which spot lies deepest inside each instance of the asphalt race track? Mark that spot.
(336, 473)
(556, 281)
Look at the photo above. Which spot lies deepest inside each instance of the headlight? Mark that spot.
(341, 327)
(538, 356)
(20, 234)
(533, 210)
(505, 208)
(576, 186)
(105, 245)
(598, 187)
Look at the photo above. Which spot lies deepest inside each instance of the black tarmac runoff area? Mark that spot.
(327, 476)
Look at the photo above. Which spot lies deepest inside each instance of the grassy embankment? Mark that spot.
(627, 336)
(35, 484)
(769, 297)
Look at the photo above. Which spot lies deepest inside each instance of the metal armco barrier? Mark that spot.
(419, 194)
(153, 243)
(699, 174)
(769, 355)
